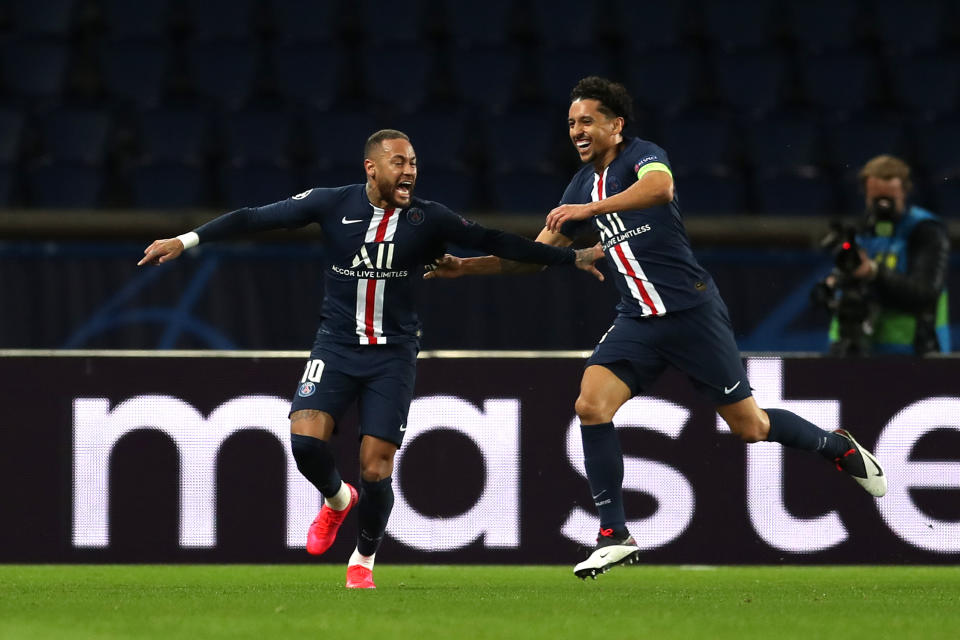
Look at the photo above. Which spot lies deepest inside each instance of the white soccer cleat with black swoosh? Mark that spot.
(862, 466)
(610, 551)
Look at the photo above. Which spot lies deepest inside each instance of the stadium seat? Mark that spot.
(6, 186)
(523, 142)
(143, 19)
(561, 68)
(257, 138)
(702, 193)
(795, 194)
(305, 21)
(418, 65)
(221, 19)
(667, 83)
(455, 189)
(33, 69)
(908, 26)
(337, 176)
(57, 186)
(698, 143)
(76, 136)
(337, 139)
(821, 25)
(735, 24)
(159, 186)
(526, 192)
(660, 23)
(487, 78)
(926, 85)
(938, 147)
(11, 136)
(748, 82)
(47, 18)
(438, 138)
(782, 144)
(851, 144)
(838, 83)
(172, 137)
(223, 72)
(253, 186)
(309, 74)
(564, 23)
(400, 23)
(479, 23)
(134, 72)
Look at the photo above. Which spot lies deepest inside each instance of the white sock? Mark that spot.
(363, 561)
(340, 500)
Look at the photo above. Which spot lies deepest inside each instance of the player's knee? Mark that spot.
(376, 466)
(750, 430)
(591, 410)
(375, 472)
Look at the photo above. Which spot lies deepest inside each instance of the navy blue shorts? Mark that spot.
(379, 378)
(698, 341)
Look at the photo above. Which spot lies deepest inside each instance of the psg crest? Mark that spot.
(306, 389)
(415, 216)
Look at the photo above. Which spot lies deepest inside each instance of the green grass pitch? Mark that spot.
(439, 602)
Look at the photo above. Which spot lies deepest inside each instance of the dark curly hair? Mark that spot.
(615, 101)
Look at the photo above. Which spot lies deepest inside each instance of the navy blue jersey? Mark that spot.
(656, 270)
(372, 255)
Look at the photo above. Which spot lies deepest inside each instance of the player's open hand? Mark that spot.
(564, 212)
(586, 258)
(161, 251)
(446, 267)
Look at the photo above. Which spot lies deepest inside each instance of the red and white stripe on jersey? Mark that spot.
(639, 286)
(642, 289)
(383, 226)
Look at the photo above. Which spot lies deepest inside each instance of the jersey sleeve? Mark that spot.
(650, 157)
(466, 233)
(292, 213)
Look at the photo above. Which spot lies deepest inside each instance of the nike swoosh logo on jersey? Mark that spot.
(345, 221)
(730, 390)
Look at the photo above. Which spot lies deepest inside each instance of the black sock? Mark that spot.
(316, 463)
(603, 461)
(373, 510)
(791, 430)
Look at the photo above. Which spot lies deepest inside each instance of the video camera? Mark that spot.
(850, 299)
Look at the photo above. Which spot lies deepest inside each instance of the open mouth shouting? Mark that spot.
(404, 190)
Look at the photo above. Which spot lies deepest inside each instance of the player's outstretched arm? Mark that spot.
(586, 258)
(161, 251)
(450, 266)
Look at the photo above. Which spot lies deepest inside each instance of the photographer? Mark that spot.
(888, 292)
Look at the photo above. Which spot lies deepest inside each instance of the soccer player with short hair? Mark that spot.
(378, 238)
(670, 312)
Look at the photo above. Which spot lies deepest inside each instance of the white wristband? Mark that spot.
(189, 240)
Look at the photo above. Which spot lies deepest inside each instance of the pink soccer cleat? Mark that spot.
(359, 577)
(324, 529)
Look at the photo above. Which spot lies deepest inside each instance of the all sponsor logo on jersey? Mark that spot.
(301, 196)
(613, 185)
(415, 216)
